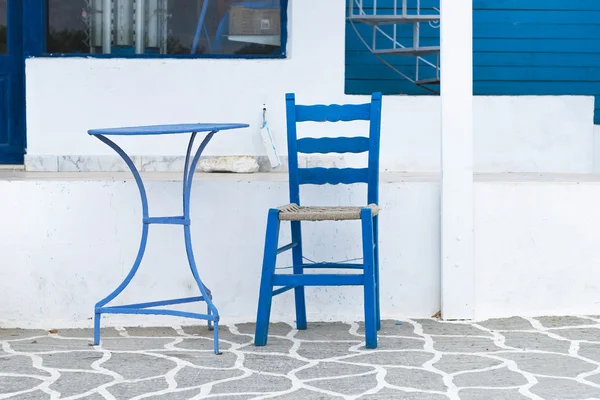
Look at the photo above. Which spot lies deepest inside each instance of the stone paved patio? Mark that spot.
(514, 358)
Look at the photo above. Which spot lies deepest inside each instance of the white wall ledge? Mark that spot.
(388, 177)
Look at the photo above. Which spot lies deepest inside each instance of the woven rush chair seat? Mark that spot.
(293, 212)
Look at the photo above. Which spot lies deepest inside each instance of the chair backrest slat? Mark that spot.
(332, 176)
(333, 145)
(333, 113)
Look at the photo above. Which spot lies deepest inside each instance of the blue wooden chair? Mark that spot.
(295, 213)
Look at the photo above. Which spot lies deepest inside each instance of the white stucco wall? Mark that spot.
(596, 149)
(536, 247)
(74, 240)
(66, 242)
(66, 97)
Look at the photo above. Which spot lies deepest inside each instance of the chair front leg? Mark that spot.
(370, 286)
(297, 261)
(266, 283)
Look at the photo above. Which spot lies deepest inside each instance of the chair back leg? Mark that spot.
(370, 286)
(297, 262)
(376, 254)
(266, 282)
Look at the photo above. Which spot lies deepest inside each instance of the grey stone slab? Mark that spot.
(535, 341)
(94, 396)
(390, 394)
(71, 360)
(277, 329)
(159, 331)
(332, 370)
(594, 378)
(319, 351)
(452, 363)
(391, 328)
(224, 334)
(204, 358)
(35, 395)
(274, 345)
(501, 377)
(20, 365)
(550, 364)
(11, 334)
(564, 389)
(127, 390)
(189, 377)
(327, 331)
(255, 383)
(464, 345)
(88, 333)
(390, 343)
(134, 344)
(589, 350)
(591, 334)
(415, 378)
(407, 358)
(12, 384)
(178, 395)
(561, 321)
(138, 366)
(491, 394)
(354, 385)
(304, 394)
(275, 364)
(507, 324)
(200, 344)
(434, 327)
(49, 344)
(73, 383)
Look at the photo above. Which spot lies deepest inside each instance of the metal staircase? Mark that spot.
(398, 15)
(126, 26)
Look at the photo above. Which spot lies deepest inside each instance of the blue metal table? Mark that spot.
(212, 314)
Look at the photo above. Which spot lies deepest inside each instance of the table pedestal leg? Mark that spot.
(212, 315)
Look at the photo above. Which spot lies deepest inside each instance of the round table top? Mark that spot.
(166, 129)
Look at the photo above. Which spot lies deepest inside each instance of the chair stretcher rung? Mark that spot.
(286, 247)
(318, 280)
(282, 290)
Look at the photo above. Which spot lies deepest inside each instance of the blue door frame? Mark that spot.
(12, 88)
(25, 37)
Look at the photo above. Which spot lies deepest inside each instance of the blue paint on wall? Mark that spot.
(520, 47)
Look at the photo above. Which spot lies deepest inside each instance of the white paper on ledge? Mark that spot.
(269, 143)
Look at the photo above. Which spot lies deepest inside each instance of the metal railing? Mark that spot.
(358, 5)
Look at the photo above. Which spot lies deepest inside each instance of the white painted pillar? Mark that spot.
(457, 283)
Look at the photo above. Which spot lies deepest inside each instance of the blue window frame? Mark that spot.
(165, 28)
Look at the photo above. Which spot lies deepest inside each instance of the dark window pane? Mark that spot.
(3, 28)
(164, 26)
(67, 31)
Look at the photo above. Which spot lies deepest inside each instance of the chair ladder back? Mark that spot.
(333, 113)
